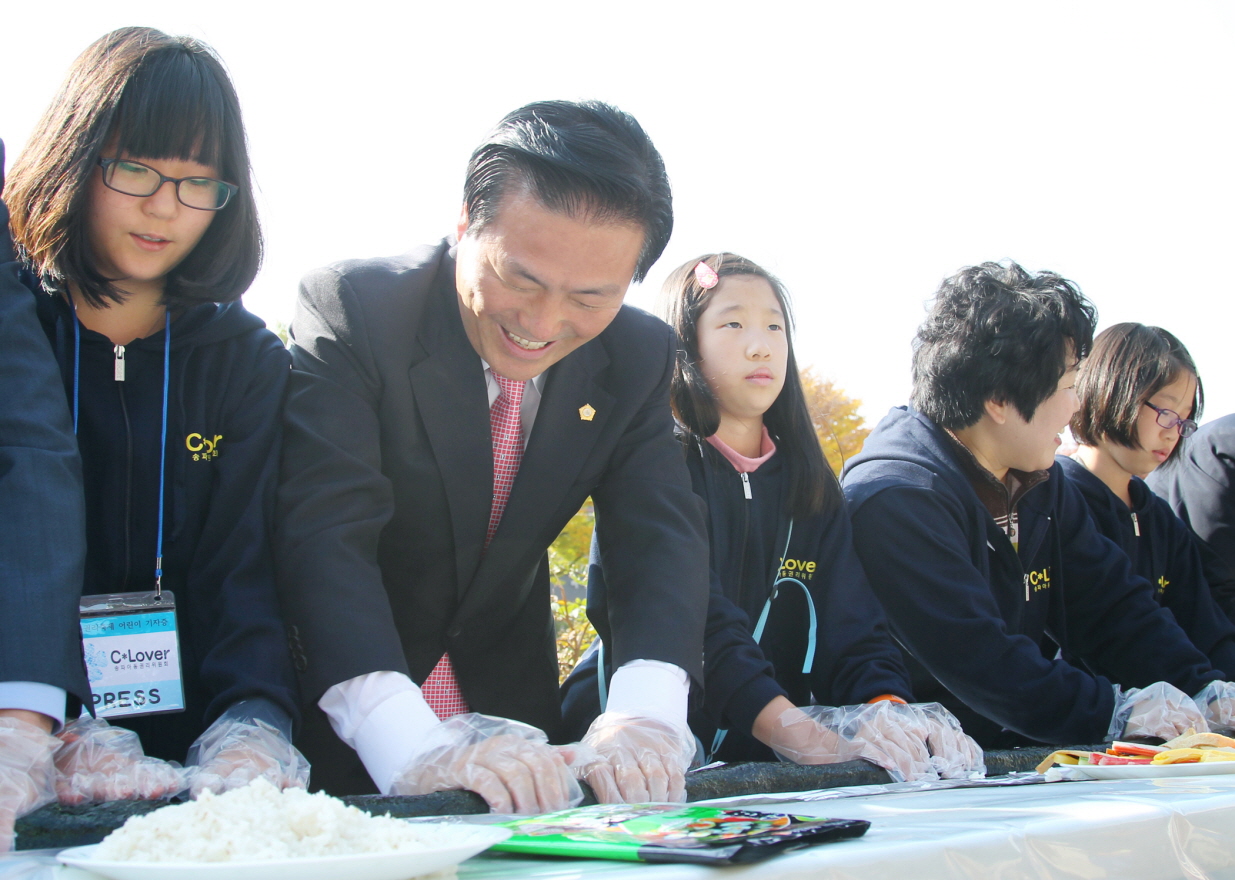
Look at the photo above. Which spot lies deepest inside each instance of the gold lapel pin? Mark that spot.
(586, 412)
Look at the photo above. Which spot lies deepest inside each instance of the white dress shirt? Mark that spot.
(34, 696)
(384, 716)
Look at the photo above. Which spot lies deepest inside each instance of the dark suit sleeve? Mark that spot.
(652, 537)
(42, 530)
(333, 498)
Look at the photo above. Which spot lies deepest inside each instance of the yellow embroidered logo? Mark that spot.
(1163, 583)
(798, 568)
(1037, 580)
(203, 448)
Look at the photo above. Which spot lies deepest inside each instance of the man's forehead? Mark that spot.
(558, 249)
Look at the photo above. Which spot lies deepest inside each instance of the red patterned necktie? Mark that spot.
(440, 689)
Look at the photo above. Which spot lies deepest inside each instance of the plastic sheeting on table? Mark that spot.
(1132, 830)
(1150, 829)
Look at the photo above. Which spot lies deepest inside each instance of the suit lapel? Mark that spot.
(449, 387)
(561, 442)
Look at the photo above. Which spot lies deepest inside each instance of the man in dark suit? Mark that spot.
(413, 574)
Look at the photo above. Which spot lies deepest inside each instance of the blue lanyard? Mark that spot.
(167, 359)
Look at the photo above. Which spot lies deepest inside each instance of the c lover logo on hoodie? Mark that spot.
(1035, 581)
(801, 569)
(204, 448)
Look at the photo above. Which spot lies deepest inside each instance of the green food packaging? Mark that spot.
(672, 833)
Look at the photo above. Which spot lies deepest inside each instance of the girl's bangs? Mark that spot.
(174, 109)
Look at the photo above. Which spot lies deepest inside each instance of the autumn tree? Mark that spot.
(568, 556)
(838, 425)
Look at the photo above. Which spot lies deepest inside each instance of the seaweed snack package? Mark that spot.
(672, 833)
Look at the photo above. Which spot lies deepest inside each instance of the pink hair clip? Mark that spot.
(706, 275)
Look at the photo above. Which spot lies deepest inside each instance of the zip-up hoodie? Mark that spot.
(225, 396)
(820, 594)
(1199, 485)
(974, 611)
(820, 599)
(1164, 551)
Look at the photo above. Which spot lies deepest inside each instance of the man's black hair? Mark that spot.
(997, 332)
(581, 159)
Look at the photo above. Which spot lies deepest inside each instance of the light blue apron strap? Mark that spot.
(601, 685)
(758, 635)
(812, 633)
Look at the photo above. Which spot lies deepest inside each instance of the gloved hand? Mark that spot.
(27, 773)
(235, 750)
(635, 760)
(885, 733)
(1217, 703)
(954, 754)
(1157, 710)
(511, 765)
(98, 762)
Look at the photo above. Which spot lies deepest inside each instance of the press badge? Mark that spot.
(132, 653)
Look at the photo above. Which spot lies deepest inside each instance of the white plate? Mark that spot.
(458, 843)
(1149, 771)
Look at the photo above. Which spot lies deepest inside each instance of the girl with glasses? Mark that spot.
(133, 214)
(796, 648)
(1139, 394)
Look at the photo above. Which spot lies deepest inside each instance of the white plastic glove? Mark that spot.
(1160, 709)
(510, 764)
(635, 760)
(98, 762)
(954, 754)
(234, 751)
(27, 773)
(1217, 703)
(885, 733)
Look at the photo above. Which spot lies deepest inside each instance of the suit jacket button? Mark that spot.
(454, 632)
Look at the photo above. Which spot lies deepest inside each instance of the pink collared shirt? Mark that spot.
(740, 462)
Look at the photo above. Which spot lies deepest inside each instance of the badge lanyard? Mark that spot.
(130, 641)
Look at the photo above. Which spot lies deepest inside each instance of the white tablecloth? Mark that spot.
(1127, 830)
(1170, 828)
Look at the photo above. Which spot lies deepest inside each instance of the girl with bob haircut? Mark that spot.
(1140, 395)
(133, 213)
(782, 560)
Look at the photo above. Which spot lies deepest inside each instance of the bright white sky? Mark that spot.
(862, 151)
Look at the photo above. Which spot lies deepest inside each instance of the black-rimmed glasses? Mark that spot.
(135, 179)
(1169, 418)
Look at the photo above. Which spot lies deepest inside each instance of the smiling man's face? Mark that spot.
(536, 284)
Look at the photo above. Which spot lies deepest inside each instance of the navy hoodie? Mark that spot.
(228, 375)
(819, 593)
(1199, 485)
(975, 613)
(1164, 551)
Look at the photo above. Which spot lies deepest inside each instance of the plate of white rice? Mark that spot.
(260, 833)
